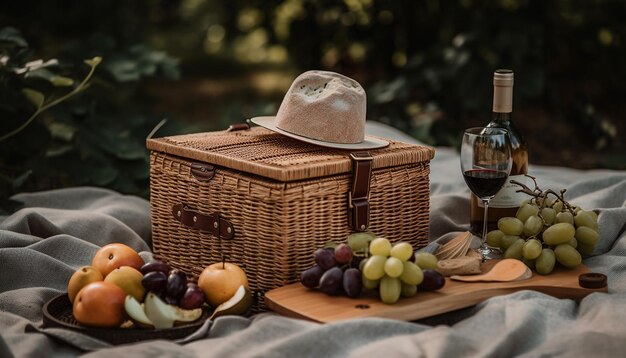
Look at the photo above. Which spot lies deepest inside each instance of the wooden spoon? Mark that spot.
(504, 271)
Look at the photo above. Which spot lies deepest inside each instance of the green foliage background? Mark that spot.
(426, 66)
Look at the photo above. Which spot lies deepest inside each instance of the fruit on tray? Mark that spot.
(100, 304)
(220, 281)
(112, 256)
(81, 278)
(129, 280)
(333, 272)
(236, 305)
(433, 280)
(367, 262)
(164, 315)
(389, 268)
(545, 230)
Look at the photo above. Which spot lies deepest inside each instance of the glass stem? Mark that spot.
(484, 239)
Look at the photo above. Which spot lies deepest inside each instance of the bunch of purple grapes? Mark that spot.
(171, 285)
(336, 271)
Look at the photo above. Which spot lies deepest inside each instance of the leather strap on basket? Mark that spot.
(358, 196)
(212, 223)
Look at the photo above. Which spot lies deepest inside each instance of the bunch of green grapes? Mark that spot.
(391, 270)
(545, 231)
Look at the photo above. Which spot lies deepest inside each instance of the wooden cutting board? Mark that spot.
(298, 301)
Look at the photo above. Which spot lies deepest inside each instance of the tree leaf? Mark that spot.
(35, 97)
(62, 81)
(94, 61)
(12, 36)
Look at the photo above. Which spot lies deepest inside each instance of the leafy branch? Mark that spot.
(38, 99)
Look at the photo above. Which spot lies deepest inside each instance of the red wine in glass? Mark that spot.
(484, 182)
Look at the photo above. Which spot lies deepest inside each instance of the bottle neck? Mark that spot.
(503, 99)
(502, 118)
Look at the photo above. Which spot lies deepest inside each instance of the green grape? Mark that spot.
(411, 274)
(360, 241)
(515, 250)
(390, 289)
(573, 242)
(584, 218)
(374, 268)
(494, 238)
(394, 267)
(511, 226)
(380, 246)
(587, 235)
(567, 256)
(508, 240)
(593, 214)
(585, 249)
(533, 226)
(408, 290)
(532, 249)
(558, 206)
(564, 217)
(529, 263)
(548, 215)
(362, 264)
(544, 264)
(369, 284)
(577, 209)
(559, 233)
(402, 251)
(426, 260)
(525, 211)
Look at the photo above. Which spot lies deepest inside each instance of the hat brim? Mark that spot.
(368, 143)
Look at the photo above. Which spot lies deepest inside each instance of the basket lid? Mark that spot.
(262, 152)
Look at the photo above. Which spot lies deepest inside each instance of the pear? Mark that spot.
(236, 305)
(164, 315)
(136, 312)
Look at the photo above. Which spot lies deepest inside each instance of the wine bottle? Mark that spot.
(507, 201)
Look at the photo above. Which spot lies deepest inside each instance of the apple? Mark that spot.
(112, 256)
(128, 279)
(220, 281)
(100, 304)
(81, 278)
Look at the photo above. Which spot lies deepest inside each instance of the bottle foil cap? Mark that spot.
(503, 78)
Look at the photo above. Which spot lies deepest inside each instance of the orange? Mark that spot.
(100, 304)
(112, 256)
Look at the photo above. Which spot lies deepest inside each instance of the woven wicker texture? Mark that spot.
(279, 224)
(271, 155)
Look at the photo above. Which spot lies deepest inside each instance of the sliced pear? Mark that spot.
(135, 311)
(238, 304)
(164, 315)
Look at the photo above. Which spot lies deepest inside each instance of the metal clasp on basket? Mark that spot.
(358, 196)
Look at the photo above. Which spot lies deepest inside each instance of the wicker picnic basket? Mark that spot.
(266, 202)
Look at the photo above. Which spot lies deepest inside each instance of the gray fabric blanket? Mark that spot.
(58, 231)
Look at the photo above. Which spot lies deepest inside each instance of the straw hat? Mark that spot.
(326, 109)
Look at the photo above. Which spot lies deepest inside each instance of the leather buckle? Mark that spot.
(213, 223)
(358, 196)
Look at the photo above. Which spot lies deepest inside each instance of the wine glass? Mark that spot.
(486, 163)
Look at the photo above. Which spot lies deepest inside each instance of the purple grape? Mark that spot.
(356, 261)
(325, 258)
(154, 281)
(176, 284)
(311, 277)
(352, 282)
(156, 265)
(193, 297)
(331, 281)
(171, 300)
(343, 254)
(433, 280)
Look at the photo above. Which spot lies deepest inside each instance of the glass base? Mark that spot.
(489, 253)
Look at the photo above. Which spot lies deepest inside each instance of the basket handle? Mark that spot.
(358, 196)
(213, 223)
